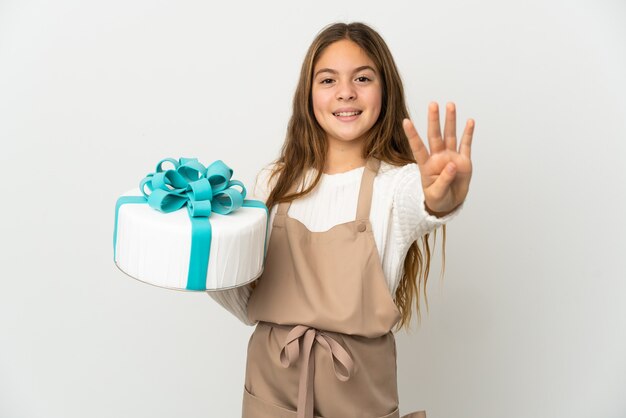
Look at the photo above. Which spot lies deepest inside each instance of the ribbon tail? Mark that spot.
(305, 388)
(201, 233)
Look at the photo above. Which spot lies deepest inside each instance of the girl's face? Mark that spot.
(346, 92)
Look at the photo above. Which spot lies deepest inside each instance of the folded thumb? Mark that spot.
(447, 176)
(440, 187)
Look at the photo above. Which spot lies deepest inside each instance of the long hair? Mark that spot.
(306, 146)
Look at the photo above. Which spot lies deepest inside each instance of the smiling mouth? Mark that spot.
(348, 113)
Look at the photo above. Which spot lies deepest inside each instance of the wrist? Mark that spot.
(436, 213)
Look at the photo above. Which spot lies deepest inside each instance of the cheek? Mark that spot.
(376, 101)
(318, 103)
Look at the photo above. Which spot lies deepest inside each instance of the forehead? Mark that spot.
(343, 55)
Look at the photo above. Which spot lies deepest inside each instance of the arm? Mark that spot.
(410, 218)
(236, 300)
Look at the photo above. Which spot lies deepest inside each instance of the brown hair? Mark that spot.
(305, 144)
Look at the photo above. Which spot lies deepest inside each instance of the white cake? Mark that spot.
(155, 247)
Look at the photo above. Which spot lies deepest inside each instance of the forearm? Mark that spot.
(235, 301)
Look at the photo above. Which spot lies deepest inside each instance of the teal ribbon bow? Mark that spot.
(203, 190)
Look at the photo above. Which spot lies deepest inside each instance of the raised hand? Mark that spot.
(446, 171)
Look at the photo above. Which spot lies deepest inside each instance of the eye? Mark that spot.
(363, 79)
(326, 81)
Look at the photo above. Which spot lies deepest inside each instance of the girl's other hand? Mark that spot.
(445, 171)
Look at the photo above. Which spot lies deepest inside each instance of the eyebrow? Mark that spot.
(330, 70)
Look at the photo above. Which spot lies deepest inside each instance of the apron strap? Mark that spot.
(283, 207)
(366, 190)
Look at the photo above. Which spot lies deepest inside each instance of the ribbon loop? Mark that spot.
(191, 169)
(200, 190)
(219, 175)
(290, 350)
(159, 166)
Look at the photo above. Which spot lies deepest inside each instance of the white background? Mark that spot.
(530, 318)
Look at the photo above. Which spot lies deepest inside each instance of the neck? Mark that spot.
(343, 156)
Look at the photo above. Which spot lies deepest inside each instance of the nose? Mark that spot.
(346, 91)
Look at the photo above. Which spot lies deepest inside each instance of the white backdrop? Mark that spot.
(530, 318)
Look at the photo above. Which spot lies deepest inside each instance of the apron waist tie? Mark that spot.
(290, 352)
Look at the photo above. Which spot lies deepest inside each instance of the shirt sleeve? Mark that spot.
(236, 300)
(409, 217)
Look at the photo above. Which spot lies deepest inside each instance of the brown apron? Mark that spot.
(326, 288)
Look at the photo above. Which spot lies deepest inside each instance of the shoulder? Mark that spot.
(392, 174)
(393, 181)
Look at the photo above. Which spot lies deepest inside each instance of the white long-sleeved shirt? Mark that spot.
(397, 215)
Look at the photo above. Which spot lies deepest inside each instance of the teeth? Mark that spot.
(347, 113)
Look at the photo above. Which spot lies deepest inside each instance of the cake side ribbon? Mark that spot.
(203, 191)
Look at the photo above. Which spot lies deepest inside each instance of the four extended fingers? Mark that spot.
(435, 141)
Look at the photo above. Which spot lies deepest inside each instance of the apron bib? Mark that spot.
(323, 346)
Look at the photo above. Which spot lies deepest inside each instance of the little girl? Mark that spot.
(347, 205)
